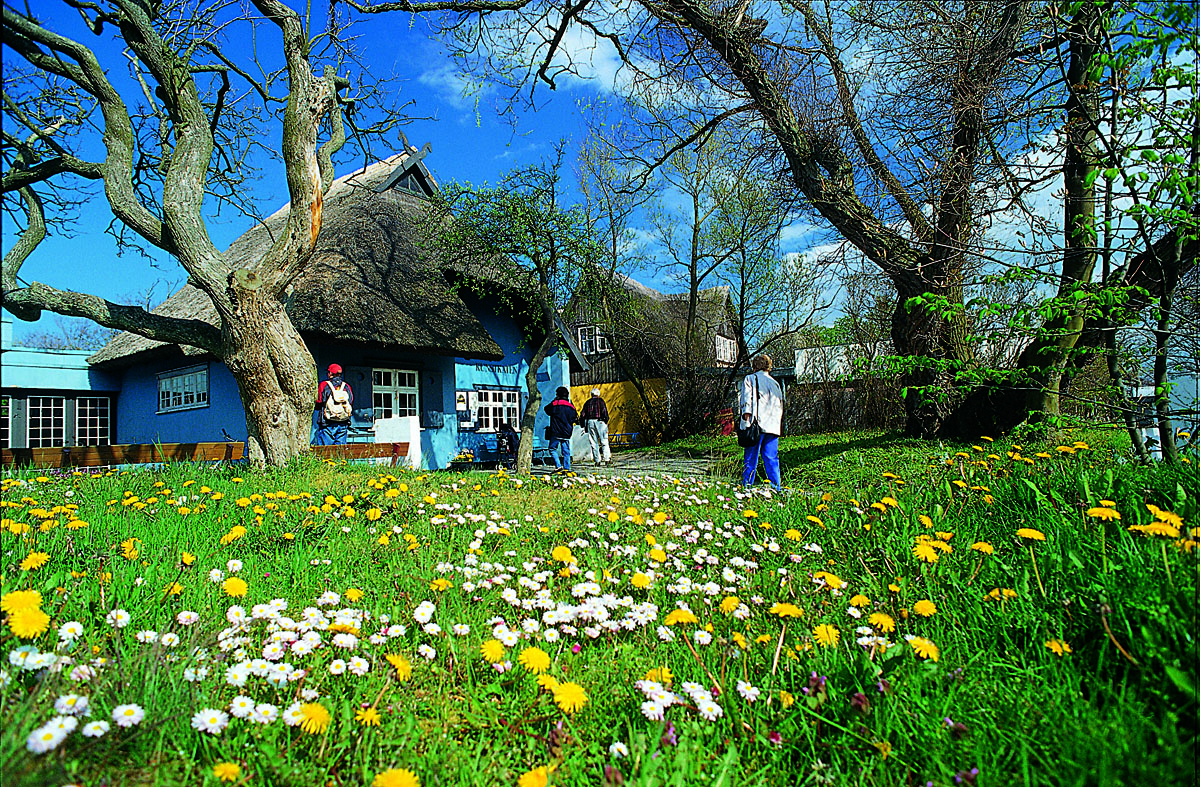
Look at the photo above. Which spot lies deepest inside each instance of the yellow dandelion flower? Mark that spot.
(538, 777)
(315, 718)
(1031, 534)
(20, 599)
(1058, 647)
(1104, 513)
(563, 554)
(660, 517)
(396, 777)
(787, 699)
(882, 622)
(640, 581)
(535, 660)
(367, 717)
(924, 648)
(401, 665)
(859, 600)
(678, 616)
(353, 595)
(729, 604)
(235, 587)
(570, 697)
(1170, 517)
(826, 635)
(28, 622)
(441, 584)
(815, 520)
(493, 651)
(660, 675)
(925, 608)
(785, 610)
(792, 534)
(34, 560)
(547, 682)
(658, 555)
(984, 547)
(227, 771)
(749, 514)
(925, 551)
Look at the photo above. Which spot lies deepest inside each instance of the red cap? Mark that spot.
(335, 369)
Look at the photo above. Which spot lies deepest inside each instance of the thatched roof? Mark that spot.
(367, 281)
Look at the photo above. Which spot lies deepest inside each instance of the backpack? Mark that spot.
(337, 403)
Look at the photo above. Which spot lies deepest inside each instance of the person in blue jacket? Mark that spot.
(562, 424)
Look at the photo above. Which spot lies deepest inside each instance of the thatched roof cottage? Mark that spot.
(425, 352)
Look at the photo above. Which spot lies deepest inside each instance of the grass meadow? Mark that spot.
(907, 614)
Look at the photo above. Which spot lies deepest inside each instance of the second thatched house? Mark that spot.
(432, 359)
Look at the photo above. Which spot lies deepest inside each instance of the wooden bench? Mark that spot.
(157, 453)
(131, 454)
(394, 451)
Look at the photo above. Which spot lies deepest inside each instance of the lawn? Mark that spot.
(908, 614)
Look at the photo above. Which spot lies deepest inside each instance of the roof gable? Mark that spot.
(366, 281)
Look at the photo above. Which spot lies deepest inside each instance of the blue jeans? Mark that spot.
(768, 448)
(562, 444)
(332, 434)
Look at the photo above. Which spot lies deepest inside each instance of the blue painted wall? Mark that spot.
(504, 327)
(138, 419)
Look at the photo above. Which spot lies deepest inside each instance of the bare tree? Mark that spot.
(176, 139)
(906, 127)
(518, 244)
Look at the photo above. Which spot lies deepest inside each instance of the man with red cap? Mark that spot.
(335, 401)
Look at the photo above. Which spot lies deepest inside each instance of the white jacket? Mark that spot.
(769, 407)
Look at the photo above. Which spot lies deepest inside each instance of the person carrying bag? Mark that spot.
(761, 423)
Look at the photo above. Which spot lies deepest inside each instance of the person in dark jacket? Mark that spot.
(335, 400)
(595, 423)
(562, 423)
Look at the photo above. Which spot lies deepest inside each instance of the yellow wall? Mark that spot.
(625, 411)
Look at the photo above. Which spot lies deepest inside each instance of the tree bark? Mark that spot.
(276, 378)
(525, 449)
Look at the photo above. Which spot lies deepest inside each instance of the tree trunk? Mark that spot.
(923, 332)
(276, 378)
(525, 449)
(1162, 386)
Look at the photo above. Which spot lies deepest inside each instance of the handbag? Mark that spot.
(749, 434)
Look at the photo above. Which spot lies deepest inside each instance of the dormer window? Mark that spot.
(413, 182)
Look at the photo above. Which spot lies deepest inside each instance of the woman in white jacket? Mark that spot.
(762, 397)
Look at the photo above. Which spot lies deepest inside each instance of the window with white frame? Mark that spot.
(727, 350)
(47, 420)
(92, 420)
(394, 393)
(183, 389)
(591, 340)
(496, 406)
(5, 422)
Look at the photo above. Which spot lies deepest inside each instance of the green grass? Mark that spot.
(1017, 712)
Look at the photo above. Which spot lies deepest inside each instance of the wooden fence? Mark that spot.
(151, 453)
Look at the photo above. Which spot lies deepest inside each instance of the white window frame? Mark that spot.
(6, 405)
(592, 340)
(93, 431)
(58, 435)
(395, 389)
(496, 406)
(726, 349)
(191, 385)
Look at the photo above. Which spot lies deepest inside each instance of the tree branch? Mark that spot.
(912, 211)
(28, 302)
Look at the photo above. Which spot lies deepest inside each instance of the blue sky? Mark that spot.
(471, 141)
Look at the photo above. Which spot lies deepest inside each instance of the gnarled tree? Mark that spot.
(167, 145)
